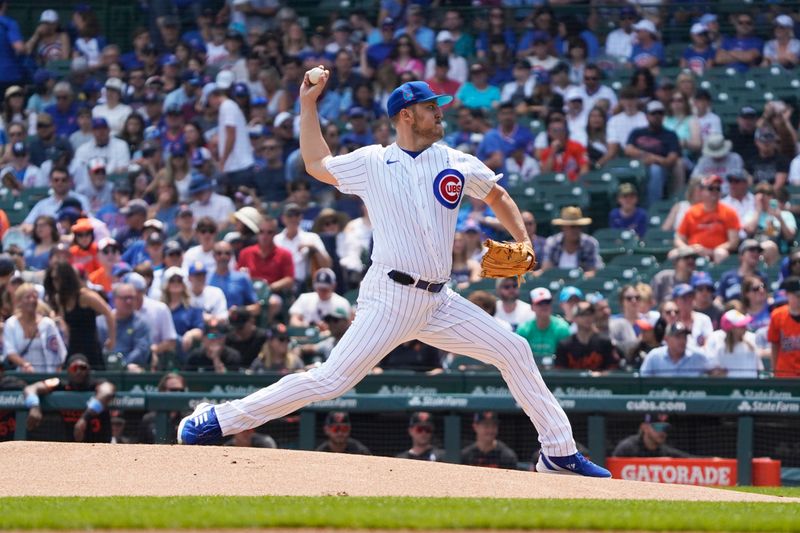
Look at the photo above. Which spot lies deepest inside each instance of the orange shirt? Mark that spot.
(785, 332)
(101, 277)
(708, 228)
(569, 161)
(86, 259)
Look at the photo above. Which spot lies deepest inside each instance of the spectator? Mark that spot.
(509, 307)
(477, 93)
(79, 308)
(586, 349)
(203, 252)
(207, 203)
(61, 185)
(571, 248)
(275, 355)
(84, 249)
(10, 51)
(593, 92)
(710, 227)
(31, 340)
(103, 145)
(708, 121)
(694, 192)
(773, 227)
(621, 125)
(245, 337)
(733, 348)
(211, 300)
(563, 154)
(704, 302)
(464, 270)
(651, 441)
(213, 355)
(267, 262)
(619, 42)
(236, 286)
(133, 337)
(755, 301)
(718, 159)
(488, 303)
(784, 49)
(625, 330)
(651, 333)
(499, 142)
(305, 246)
(740, 198)
(541, 58)
(98, 190)
(597, 147)
(517, 91)
(674, 359)
(730, 283)
(538, 241)
(44, 236)
(108, 255)
(647, 51)
(658, 149)
(784, 332)
(91, 425)
(628, 215)
(20, 174)
(698, 324)
(113, 111)
(445, 47)
(420, 429)
(170, 382)
(742, 50)
(741, 134)
(576, 115)
(487, 450)
(187, 319)
(234, 148)
(464, 42)
(157, 317)
(310, 307)
(700, 54)
(337, 430)
(48, 145)
(545, 331)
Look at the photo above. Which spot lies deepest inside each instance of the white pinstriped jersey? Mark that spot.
(413, 202)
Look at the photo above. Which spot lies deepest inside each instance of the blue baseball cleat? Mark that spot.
(576, 465)
(200, 427)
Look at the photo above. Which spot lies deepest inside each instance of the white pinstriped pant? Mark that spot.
(389, 314)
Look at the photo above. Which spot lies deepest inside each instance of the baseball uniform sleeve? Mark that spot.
(480, 178)
(350, 171)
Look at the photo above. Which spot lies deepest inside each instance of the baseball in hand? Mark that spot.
(314, 74)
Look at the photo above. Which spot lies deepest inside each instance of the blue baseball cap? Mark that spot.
(708, 17)
(120, 269)
(568, 292)
(198, 267)
(682, 289)
(413, 92)
(702, 279)
(99, 122)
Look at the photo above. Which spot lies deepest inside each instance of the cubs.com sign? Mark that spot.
(714, 472)
(448, 187)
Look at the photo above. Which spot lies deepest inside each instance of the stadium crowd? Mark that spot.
(157, 214)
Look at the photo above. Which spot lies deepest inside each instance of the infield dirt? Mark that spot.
(68, 469)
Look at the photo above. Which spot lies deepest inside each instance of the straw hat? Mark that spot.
(571, 216)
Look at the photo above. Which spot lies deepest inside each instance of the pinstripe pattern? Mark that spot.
(413, 232)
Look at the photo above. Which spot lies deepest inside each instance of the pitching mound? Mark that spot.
(62, 469)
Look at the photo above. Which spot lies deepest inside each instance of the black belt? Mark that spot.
(404, 279)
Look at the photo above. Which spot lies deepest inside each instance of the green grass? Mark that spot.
(392, 513)
(790, 492)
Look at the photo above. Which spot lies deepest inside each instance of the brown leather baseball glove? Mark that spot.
(507, 259)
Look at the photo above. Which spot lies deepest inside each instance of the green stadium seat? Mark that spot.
(615, 241)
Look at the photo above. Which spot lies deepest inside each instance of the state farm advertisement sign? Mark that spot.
(716, 472)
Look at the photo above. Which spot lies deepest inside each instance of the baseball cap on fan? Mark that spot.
(413, 92)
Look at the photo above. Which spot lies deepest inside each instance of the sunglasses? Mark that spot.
(83, 234)
(43, 125)
(655, 113)
(504, 287)
(77, 367)
(713, 189)
(281, 338)
(222, 254)
(671, 312)
(339, 428)
(422, 429)
(544, 302)
(758, 288)
(205, 230)
(109, 250)
(591, 78)
(705, 288)
(633, 298)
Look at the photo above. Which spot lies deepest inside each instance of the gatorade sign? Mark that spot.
(709, 472)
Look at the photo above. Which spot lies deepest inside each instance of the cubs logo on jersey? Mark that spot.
(448, 187)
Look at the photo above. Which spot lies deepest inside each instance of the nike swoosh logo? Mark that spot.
(390, 162)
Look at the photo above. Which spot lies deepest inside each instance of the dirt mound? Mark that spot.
(63, 469)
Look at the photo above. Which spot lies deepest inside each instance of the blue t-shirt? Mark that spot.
(66, 123)
(237, 286)
(732, 44)
(495, 140)
(473, 98)
(730, 284)
(698, 61)
(10, 64)
(186, 318)
(136, 253)
(641, 53)
(636, 222)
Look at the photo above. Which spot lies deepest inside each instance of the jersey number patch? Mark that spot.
(448, 186)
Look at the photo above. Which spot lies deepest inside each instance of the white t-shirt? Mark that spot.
(577, 127)
(313, 309)
(794, 171)
(709, 123)
(568, 260)
(702, 328)
(116, 154)
(159, 318)
(744, 207)
(218, 207)
(522, 313)
(241, 156)
(115, 117)
(603, 93)
(457, 70)
(621, 125)
(619, 44)
(212, 301)
(195, 254)
(742, 362)
(46, 352)
(300, 256)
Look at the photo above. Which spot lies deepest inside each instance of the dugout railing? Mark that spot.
(453, 408)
